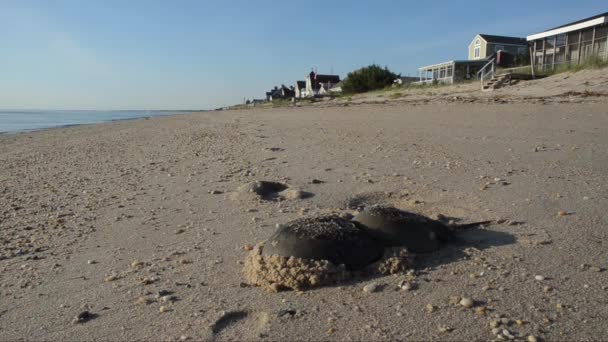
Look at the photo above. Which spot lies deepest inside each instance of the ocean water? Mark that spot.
(31, 120)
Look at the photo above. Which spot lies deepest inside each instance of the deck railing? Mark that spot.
(488, 71)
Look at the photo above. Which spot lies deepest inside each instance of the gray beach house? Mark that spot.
(481, 49)
(571, 43)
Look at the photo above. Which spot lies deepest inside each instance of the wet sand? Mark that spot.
(140, 223)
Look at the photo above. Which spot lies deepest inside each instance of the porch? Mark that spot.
(449, 72)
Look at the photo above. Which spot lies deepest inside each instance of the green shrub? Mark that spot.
(372, 77)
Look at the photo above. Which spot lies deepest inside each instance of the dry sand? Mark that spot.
(138, 223)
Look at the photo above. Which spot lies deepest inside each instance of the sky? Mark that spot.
(203, 54)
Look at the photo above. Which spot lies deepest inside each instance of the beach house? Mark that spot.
(486, 45)
(317, 84)
(300, 89)
(281, 92)
(482, 48)
(571, 43)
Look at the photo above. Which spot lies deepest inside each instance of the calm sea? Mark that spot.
(29, 120)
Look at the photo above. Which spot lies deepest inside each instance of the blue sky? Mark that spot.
(180, 54)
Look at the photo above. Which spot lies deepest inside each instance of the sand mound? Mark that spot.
(269, 191)
(275, 273)
(395, 261)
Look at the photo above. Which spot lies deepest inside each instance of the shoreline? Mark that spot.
(94, 123)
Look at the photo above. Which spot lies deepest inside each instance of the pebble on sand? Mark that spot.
(507, 334)
(110, 278)
(532, 338)
(83, 317)
(467, 302)
(143, 301)
(406, 285)
(539, 278)
(369, 288)
(445, 328)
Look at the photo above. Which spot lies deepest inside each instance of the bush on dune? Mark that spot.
(372, 77)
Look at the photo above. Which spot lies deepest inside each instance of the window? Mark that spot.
(521, 50)
(498, 48)
(560, 40)
(477, 52)
(478, 42)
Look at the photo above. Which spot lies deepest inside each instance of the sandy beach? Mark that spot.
(141, 224)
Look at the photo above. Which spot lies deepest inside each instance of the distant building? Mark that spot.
(572, 43)
(300, 89)
(317, 84)
(273, 93)
(486, 45)
(281, 92)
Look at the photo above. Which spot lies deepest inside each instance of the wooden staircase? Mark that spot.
(497, 81)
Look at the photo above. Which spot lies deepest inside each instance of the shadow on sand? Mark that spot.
(474, 237)
(471, 237)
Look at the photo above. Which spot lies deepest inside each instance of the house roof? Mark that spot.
(580, 21)
(598, 19)
(503, 39)
(460, 62)
(328, 78)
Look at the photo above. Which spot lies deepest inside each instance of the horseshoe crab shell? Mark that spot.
(394, 227)
(327, 237)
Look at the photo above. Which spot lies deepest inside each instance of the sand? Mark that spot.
(140, 223)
